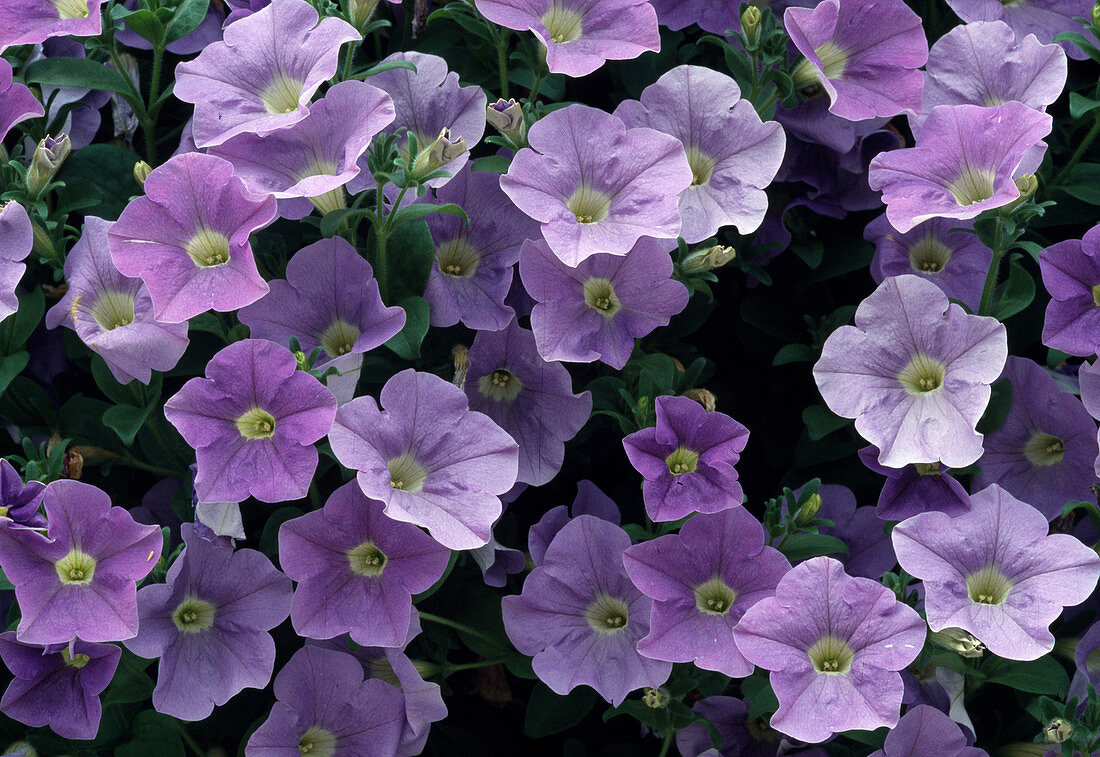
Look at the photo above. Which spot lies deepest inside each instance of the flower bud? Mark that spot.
(703, 397)
(360, 12)
(809, 509)
(302, 359)
(20, 749)
(710, 258)
(1096, 15)
(506, 116)
(959, 641)
(1057, 731)
(442, 151)
(48, 157)
(43, 244)
(73, 465)
(1027, 184)
(656, 699)
(750, 24)
(141, 172)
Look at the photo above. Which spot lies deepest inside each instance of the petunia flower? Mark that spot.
(863, 53)
(357, 570)
(915, 488)
(531, 399)
(597, 308)
(78, 580)
(209, 625)
(57, 685)
(687, 459)
(702, 581)
(926, 731)
(833, 644)
(329, 300)
(187, 238)
(1089, 376)
(1043, 452)
(428, 457)
(741, 736)
(16, 241)
(964, 162)
(263, 74)
(113, 314)
(19, 501)
(1071, 273)
(325, 707)
(307, 164)
(579, 36)
(914, 372)
(995, 572)
(595, 185)
(28, 22)
(252, 422)
(589, 501)
(581, 617)
(473, 265)
(1045, 19)
(17, 103)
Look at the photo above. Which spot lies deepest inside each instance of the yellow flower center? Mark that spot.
(682, 460)
(599, 294)
(702, 166)
(281, 95)
(973, 185)
(923, 374)
(500, 385)
(256, 423)
(989, 586)
(607, 614)
(457, 257)
(69, 9)
(563, 24)
(113, 309)
(714, 597)
(589, 205)
(76, 568)
(831, 655)
(929, 255)
(366, 559)
(339, 338)
(1044, 449)
(317, 742)
(406, 473)
(208, 248)
(193, 615)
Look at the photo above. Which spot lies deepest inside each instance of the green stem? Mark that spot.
(985, 305)
(667, 744)
(347, 62)
(501, 39)
(149, 123)
(135, 463)
(188, 738)
(539, 74)
(1080, 151)
(472, 665)
(461, 627)
(381, 271)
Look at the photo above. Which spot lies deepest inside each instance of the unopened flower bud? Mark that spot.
(703, 397)
(506, 116)
(302, 360)
(656, 699)
(959, 641)
(360, 12)
(48, 157)
(710, 258)
(442, 151)
(141, 172)
(1027, 184)
(809, 509)
(1096, 15)
(750, 24)
(42, 245)
(1057, 731)
(20, 749)
(73, 465)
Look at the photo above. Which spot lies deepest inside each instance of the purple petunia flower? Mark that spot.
(1044, 451)
(325, 707)
(916, 488)
(964, 162)
(1071, 273)
(995, 572)
(531, 399)
(209, 625)
(1044, 18)
(926, 731)
(187, 238)
(472, 270)
(27, 22)
(580, 35)
(1089, 376)
(78, 579)
(329, 300)
(863, 53)
(733, 155)
(589, 501)
(252, 421)
(621, 185)
(58, 685)
(702, 581)
(741, 737)
(833, 644)
(19, 501)
(16, 241)
(307, 164)
(955, 261)
(687, 459)
(357, 570)
(430, 459)
(17, 103)
(113, 314)
(914, 372)
(581, 617)
(261, 77)
(596, 309)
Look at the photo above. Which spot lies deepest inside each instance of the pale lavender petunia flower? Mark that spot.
(113, 314)
(597, 308)
(589, 501)
(702, 581)
(357, 570)
(531, 399)
(325, 707)
(579, 36)
(916, 488)
(187, 238)
(57, 685)
(27, 22)
(595, 185)
(329, 300)
(964, 162)
(810, 121)
(741, 736)
(473, 266)
(995, 572)
(953, 260)
(581, 617)
(17, 103)
(19, 501)
(428, 457)
(1044, 451)
(307, 164)
(927, 732)
(1044, 18)
(863, 53)
(1089, 376)
(733, 155)
(209, 625)
(78, 580)
(261, 77)
(833, 644)
(687, 459)
(914, 372)
(16, 242)
(1071, 273)
(252, 422)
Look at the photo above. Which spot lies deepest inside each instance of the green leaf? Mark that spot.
(107, 169)
(410, 251)
(804, 545)
(154, 733)
(269, 537)
(107, 384)
(5, 584)
(1043, 676)
(547, 713)
(821, 421)
(1079, 105)
(812, 253)
(1016, 293)
(16, 329)
(189, 14)
(11, 366)
(795, 353)
(126, 421)
(406, 343)
(130, 684)
(76, 72)
(1000, 400)
(388, 66)
(1083, 183)
(757, 690)
(638, 710)
(148, 25)
(418, 210)
(492, 163)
